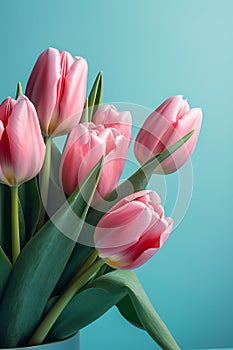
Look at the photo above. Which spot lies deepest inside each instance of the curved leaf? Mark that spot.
(103, 293)
(83, 309)
(127, 310)
(40, 264)
(145, 310)
(5, 270)
(95, 97)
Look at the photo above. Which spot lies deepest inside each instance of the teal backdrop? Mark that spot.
(149, 50)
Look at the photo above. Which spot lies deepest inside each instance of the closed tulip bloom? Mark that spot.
(57, 88)
(132, 231)
(22, 148)
(166, 125)
(109, 116)
(86, 144)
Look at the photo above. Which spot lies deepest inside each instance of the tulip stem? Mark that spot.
(53, 314)
(15, 238)
(44, 188)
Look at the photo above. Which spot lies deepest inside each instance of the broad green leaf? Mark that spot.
(136, 182)
(5, 270)
(83, 253)
(40, 265)
(30, 202)
(5, 221)
(83, 309)
(146, 313)
(105, 292)
(96, 95)
(126, 308)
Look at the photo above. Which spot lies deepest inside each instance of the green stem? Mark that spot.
(15, 238)
(44, 188)
(53, 314)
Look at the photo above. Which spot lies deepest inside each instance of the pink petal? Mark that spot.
(42, 85)
(123, 226)
(74, 93)
(27, 148)
(173, 108)
(190, 121)
(110, 117)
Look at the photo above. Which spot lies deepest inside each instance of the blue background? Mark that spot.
(149, 50)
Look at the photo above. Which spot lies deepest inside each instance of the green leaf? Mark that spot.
(145, 310)
(136, 182)
(19, 90)
(102, 294)
(85, 117)
(56, 196)
(5, 221)
(55, 163)
(127, 310)
(96, 95)
(40, 265)
(82, 254)
(30, 202)
(5, 270)
(83, 309)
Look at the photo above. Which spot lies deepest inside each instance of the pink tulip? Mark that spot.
(132, 231)
(109, 116)
(166, 125)
(57, 87)
(87, 143)
(22, 148)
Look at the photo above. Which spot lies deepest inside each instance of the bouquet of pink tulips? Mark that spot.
(70, 234)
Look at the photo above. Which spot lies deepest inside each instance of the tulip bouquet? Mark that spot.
(70, 234)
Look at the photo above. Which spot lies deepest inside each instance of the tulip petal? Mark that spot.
(74, 93)
(152, 137)
(110, 117)
(190, 121)
(122, 227)
(42, 86)
(132, 231)
(26, 145)
(173, 108)
(113, 167)
(78, 152)
(125, 262)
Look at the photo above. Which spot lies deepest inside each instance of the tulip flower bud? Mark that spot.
(22, 148)
(85, 146)
(57, 88)
(132, 231)
(167, 124)
(109, 116)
